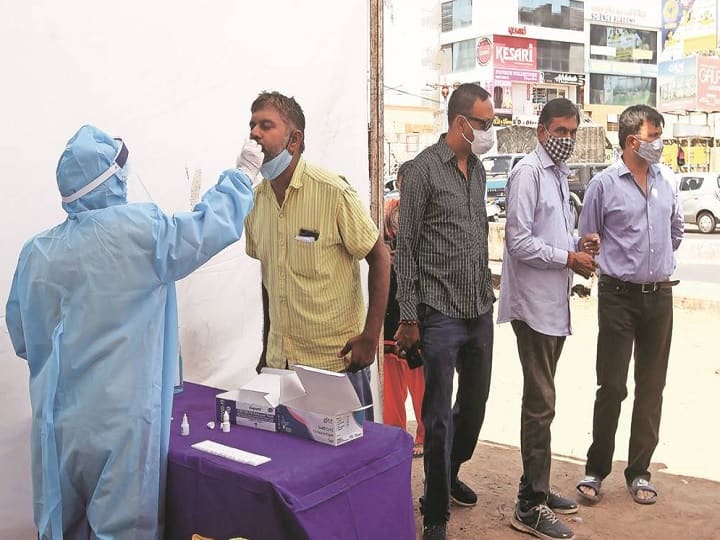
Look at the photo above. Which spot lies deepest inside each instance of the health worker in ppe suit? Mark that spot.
(93, 310)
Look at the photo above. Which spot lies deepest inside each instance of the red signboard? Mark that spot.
(483, 51)
(708, 81)
(515, 53)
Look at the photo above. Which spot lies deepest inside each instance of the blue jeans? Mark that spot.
(361, 383)
(451, 431)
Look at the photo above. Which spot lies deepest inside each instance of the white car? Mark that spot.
(493, 211)
(700, 198)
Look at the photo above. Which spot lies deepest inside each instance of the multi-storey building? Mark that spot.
(622, 58)
(525, 52)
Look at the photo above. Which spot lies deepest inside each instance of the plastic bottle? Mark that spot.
(225, 423)
(179, 377)
(185, 426)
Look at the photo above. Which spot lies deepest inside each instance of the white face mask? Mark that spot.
(482, 141)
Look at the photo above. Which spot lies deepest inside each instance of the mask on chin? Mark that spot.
(276, 166)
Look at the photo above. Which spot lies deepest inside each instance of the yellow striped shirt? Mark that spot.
(316, 302)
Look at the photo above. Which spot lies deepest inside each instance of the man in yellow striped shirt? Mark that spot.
(309, 230)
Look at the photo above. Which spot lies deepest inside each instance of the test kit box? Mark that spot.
(255, 404)
(329, 411)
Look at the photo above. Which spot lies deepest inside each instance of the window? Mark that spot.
(691, 183)
(560, 56)
(564, 14)
(463, 54)
(622, 90)
(456, 14)
(497, 164)
(623, 44)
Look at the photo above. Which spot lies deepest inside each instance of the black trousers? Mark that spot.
(451, 431)
(539, 354)
(627, 318)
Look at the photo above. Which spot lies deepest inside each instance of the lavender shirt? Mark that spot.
(638, 234)
(539, 233)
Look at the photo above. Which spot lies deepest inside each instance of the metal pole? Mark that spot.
(377, 147)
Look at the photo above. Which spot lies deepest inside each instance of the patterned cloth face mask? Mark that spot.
(559, 148)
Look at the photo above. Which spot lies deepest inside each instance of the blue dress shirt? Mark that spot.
(539, 233)
(639, 233)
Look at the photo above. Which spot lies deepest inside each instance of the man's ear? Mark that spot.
(458, 122)
(296, 140)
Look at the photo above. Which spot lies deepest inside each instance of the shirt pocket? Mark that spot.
(304, 258)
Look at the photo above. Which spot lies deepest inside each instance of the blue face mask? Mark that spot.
(276, 166)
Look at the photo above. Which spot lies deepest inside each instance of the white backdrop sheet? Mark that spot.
(175, 80)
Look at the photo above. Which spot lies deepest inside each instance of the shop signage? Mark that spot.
(708, 83)
(515, 53)
(517, 30)
(525, 120)
(483, 51)
(502, 120)
(556, 77)
(677, 85)
(612, 13)
(517, 75)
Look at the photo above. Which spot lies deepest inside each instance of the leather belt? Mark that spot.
(644, 288)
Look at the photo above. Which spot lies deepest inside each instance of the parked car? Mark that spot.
(390, 183)
(493, 211)
(497, 169)
(700, 197)
(580, 175)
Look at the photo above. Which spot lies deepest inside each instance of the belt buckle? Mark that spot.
(653, 287)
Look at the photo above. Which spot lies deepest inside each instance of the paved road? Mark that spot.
(704, 273)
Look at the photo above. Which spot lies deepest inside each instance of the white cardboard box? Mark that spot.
(254, 404)
(329, 412)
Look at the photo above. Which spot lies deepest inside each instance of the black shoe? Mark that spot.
(436, 531)
(559, 504)
(461, 494)
(541, 522)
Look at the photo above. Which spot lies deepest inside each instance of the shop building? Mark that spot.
(622, 60)
(524, 53)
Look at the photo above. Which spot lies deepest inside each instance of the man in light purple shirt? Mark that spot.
(633, 205)
(541, 253)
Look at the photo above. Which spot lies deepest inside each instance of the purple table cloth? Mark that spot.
(360, 490)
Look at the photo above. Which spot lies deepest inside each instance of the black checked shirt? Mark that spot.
(442, 250)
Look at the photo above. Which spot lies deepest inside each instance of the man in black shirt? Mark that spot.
(445, 295)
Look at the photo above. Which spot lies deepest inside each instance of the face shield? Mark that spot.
(137, 192)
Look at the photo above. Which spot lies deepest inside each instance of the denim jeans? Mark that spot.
(360, 381)
(539, 354)
(626, 318)
(451, 431)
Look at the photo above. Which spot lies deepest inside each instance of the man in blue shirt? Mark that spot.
(633, 205)
(541, 253)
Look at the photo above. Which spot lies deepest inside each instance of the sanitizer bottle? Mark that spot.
(179, 376)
